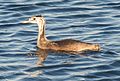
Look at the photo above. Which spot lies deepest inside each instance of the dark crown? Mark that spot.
(39, 16)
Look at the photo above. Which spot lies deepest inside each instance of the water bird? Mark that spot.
(61, 45)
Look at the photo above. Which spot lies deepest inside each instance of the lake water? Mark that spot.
(94, 21)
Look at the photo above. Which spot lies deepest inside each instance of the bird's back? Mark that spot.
(72, 45)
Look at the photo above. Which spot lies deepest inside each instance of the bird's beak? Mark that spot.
(25, 22)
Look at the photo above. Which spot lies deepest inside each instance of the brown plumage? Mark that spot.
(62, 45)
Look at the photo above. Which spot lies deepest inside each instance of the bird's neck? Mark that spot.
(41, 40)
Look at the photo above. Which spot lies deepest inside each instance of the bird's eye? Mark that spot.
(33, 18)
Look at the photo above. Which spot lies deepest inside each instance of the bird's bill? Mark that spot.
(25, 22)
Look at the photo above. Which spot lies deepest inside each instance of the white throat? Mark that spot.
(41, 32)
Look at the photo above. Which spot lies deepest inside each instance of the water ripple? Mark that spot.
(92, 21)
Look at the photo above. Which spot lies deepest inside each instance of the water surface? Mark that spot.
(94, 21)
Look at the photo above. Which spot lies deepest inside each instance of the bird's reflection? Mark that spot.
(43, 53)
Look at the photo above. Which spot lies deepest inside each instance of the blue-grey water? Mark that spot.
(94, 21)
